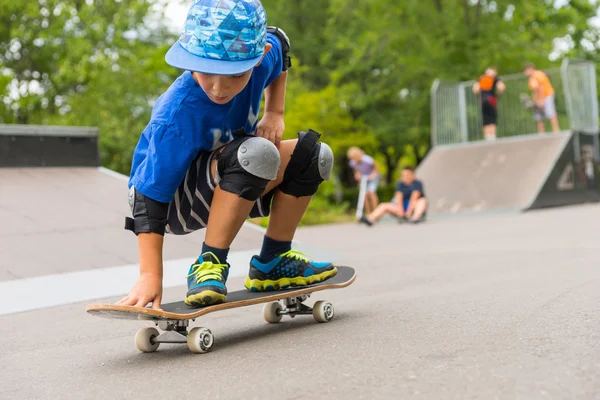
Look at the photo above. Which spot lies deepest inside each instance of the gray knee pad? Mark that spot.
(311, 163)
(246, 166)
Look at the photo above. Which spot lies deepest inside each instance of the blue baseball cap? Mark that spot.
(224, 37)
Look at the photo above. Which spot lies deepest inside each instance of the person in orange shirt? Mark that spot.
(543, 97)
(489, 87)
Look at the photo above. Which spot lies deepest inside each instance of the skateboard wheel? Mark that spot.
(323, 311)
(144, 340)
(200, 340)
(271, 312)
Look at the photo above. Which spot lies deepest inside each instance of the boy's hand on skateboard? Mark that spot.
(271, 127)
(148, 288)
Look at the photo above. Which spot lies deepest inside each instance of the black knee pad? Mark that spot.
(148, 215)
(311, 163)
(246, 165)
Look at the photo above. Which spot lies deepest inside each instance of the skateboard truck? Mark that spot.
(174, 331)
(295, 306)
(322, 311)
(201, 340)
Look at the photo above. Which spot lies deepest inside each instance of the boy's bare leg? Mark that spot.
(420, 208)
(375, 200)
(489, 132)
(554, 122)
(285, 215)
(228, 212)
(382, 209)
(540, 127)
(372, 196)
(286, 210)
(368, 207)
(208, 275)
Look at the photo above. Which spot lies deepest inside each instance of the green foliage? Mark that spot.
(84, 62)
(361, 75)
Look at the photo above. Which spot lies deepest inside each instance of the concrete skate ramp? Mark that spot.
(70, 218)
(510, 174)
(63, 238)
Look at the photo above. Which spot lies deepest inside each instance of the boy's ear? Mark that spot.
(268, 47)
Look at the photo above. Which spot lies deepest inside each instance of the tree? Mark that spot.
(84, 62)
(390, 53)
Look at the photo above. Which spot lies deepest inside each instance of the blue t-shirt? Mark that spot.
(407, 190)
(185, 121)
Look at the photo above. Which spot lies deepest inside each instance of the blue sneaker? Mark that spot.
(291, 268)
(206, 282)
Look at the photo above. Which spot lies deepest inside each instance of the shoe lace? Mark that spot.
(296, 255)
(207, 270)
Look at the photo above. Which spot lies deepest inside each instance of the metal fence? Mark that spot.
(456, 111)
(581, 95)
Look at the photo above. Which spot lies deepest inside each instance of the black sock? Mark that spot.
(221, 254)
(272, 248)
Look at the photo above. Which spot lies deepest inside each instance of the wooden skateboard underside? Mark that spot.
(241, 298)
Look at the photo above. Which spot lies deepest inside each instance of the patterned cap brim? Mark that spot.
(178, 57)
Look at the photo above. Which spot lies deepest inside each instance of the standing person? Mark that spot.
(205, 161)
(364, 165)
(409, 201)
(543, 97)
(489, 87)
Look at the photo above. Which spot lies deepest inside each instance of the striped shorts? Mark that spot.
(190, 207)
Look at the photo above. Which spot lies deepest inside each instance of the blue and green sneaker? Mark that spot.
(206, 282)
(291, 268)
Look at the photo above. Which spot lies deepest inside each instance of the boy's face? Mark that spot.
(221, 89)
(528, 71)
(407, 176)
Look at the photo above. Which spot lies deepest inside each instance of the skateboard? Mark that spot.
(174, 318)
(528, 103)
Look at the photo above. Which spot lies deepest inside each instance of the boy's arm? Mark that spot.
(413, 199)
(148, 288)
(375, 170)
(476, 88)
(272, 125)
(538, 96)
(275, 95)
(399, 198)
(501, 87)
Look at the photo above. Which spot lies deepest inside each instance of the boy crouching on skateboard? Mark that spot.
(203, 161)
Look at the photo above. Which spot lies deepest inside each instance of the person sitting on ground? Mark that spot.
(409, 201)
(364, 165)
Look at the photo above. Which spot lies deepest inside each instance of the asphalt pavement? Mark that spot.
(493, 306)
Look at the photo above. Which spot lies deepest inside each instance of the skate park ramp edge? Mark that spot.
(512, 174)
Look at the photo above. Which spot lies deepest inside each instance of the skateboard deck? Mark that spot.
(528, 103)
(174, 317)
